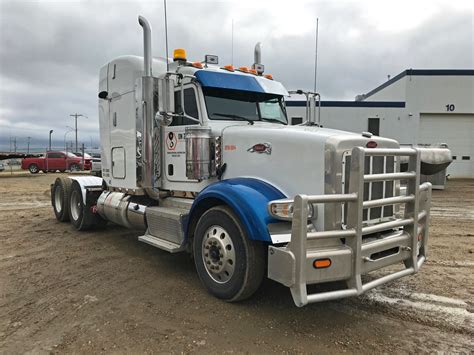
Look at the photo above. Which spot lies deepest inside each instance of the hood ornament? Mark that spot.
(261, 148)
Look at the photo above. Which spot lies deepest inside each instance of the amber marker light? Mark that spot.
(269, 76)
(197, 65)
(322, 263)
(228, 67)
(244, 69)
(179, 54)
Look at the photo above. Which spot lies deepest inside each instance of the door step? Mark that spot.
(161, 243)
(177, 202)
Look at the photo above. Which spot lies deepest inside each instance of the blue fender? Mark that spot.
(247, 197)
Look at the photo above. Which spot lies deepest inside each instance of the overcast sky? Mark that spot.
(51, 51)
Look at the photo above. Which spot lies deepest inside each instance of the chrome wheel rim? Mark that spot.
(33, 168)
(218, 254)
(75, 205)
(57, 199)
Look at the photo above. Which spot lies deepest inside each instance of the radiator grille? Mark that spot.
(372, 190)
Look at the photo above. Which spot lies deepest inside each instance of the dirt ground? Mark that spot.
(105, 292)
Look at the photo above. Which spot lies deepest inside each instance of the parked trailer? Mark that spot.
(200, 158)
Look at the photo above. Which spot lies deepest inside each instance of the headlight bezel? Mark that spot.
(283, 210)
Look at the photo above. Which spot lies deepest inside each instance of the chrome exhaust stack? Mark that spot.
(149, 161)
(147, 57)
(257, 59)
(257, 54)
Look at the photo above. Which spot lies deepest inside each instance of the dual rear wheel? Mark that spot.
(60, 198)
(69, 204)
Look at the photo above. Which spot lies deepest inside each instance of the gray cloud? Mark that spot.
(51, 52)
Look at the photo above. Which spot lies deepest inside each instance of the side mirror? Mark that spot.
(103, 95)
(166, 95)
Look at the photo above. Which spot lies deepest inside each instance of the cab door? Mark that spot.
(173, 135)
(56, 161)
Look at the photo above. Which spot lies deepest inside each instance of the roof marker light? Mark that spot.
(197, 65)
(253, 71)
(244, 69)
(228, 67)
(269, 76)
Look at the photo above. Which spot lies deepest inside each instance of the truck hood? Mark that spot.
(294, 159)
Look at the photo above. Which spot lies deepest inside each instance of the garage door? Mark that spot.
(458, 132)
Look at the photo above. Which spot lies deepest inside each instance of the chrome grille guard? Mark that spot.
(298, 255)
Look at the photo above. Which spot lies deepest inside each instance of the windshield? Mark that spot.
(244, 105)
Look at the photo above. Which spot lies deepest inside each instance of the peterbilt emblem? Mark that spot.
(261, 148)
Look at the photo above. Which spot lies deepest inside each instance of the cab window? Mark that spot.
(190, 107)
(55, 155)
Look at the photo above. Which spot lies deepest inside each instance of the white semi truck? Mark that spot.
(200, 158)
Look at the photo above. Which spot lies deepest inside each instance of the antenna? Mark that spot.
(232, 41)
(166, 38)
(316, 55)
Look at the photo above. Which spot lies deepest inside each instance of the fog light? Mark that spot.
(322, 263)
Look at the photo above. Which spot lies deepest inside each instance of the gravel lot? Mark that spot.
(103, 291)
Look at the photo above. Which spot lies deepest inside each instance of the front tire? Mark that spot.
(33, 168)
(74, 167)
(60, 198)
(229, 265)
(80, 213)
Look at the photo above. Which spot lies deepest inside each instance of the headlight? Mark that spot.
(283, 209)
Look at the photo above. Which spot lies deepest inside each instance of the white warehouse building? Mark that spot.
(415, 107)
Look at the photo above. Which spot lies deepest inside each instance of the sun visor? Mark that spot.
(240, 82)
(272, 87)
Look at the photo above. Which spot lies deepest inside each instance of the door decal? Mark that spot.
(171, 141)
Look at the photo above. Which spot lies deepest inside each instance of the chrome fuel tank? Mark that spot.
(119, 208)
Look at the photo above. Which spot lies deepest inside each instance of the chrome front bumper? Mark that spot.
(403, 240)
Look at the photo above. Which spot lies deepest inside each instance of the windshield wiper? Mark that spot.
(272, 120)
(235, 117)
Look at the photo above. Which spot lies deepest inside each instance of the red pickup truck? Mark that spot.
(53, 161)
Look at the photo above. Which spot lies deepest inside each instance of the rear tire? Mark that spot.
(229, 264)
(80, 214)
(60, 198)
(33, 168)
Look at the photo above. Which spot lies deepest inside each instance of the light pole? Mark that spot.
(76, 115)
(50, 133)
(65, 134)
(28, 149)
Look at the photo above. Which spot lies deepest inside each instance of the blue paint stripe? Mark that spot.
(350, 103)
